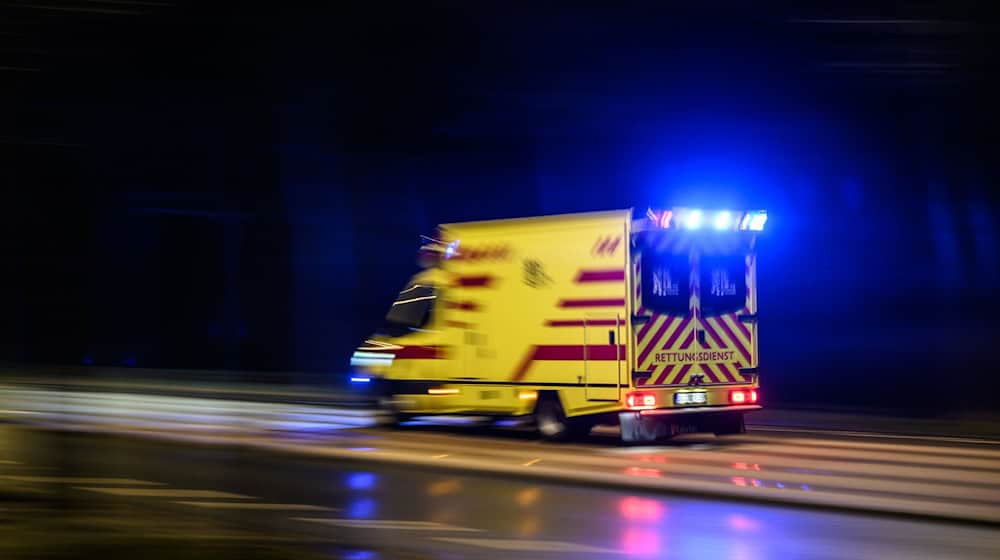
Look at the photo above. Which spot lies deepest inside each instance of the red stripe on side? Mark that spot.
(413, 352)
(458, 324)
(463, 305)
(592, 303)
(596, 352)
(593, 323)
(613, 275)
(600, 352)
(483, 281)
(522, 368)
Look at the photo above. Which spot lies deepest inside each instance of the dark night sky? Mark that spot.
(243, 188)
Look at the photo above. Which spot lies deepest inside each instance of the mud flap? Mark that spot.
(636, 427)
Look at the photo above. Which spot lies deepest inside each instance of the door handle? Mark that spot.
(611, 338)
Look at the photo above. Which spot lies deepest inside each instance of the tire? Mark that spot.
(728, 424)
(390, 415)
(553, 424)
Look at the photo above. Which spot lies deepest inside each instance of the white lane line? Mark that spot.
(391, 524)
(835, 454)
(166, 493)
(80, 480)
(529, 546)
(872, 435)
(6, 462)
(255, 505)
(951, 451)
(530, 463)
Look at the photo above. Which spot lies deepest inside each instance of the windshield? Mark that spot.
(411, 310)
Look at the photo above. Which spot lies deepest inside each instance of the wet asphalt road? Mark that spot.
(74, 495)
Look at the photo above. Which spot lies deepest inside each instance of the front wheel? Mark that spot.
(389, 413)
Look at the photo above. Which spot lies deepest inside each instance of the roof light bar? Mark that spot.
(696, 218)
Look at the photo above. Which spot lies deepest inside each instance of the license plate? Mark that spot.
(691, 397)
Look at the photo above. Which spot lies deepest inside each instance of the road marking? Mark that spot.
(166, 493)
(391, 524)
(531, 462)
(255, 505)
(441, 456)
(6, 462)
(80, 480)
(754, 428)
(529, 546)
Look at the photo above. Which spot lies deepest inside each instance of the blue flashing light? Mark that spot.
(451, 249)
(723, 220)
(361, 379)
(88, 361)
(757, 221)
(693, 219)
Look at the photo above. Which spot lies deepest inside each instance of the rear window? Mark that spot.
(723, 284)
(666, 283)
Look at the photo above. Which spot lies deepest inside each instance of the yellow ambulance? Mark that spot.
(648, 323)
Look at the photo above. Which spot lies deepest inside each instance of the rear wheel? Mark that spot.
(553, 423)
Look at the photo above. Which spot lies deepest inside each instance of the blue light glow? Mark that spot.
(361, 480)
(693, 219)
(452, 248)
(361, 379)
(362, 508)
(723, 220)
(757, 221)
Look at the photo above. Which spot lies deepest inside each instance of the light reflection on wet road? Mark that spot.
(401, 512)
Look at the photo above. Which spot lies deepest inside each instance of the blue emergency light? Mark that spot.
(720, 220)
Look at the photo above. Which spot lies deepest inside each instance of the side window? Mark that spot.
(723, 284)
(666, 283)
(413, 307)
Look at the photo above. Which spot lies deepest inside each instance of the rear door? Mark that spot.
(726, 333)
(695, 312)
(603, 356)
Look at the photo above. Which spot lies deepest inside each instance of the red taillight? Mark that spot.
(640, 400)
(740, 396)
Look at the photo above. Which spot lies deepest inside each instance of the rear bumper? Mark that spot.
(699, 410)
(653, 424)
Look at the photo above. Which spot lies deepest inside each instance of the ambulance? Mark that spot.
(578, 320)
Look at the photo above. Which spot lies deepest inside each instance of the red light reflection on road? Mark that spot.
(746, 466)
(643, 471)
(640, 509)
(742, 524)
(641, 542)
